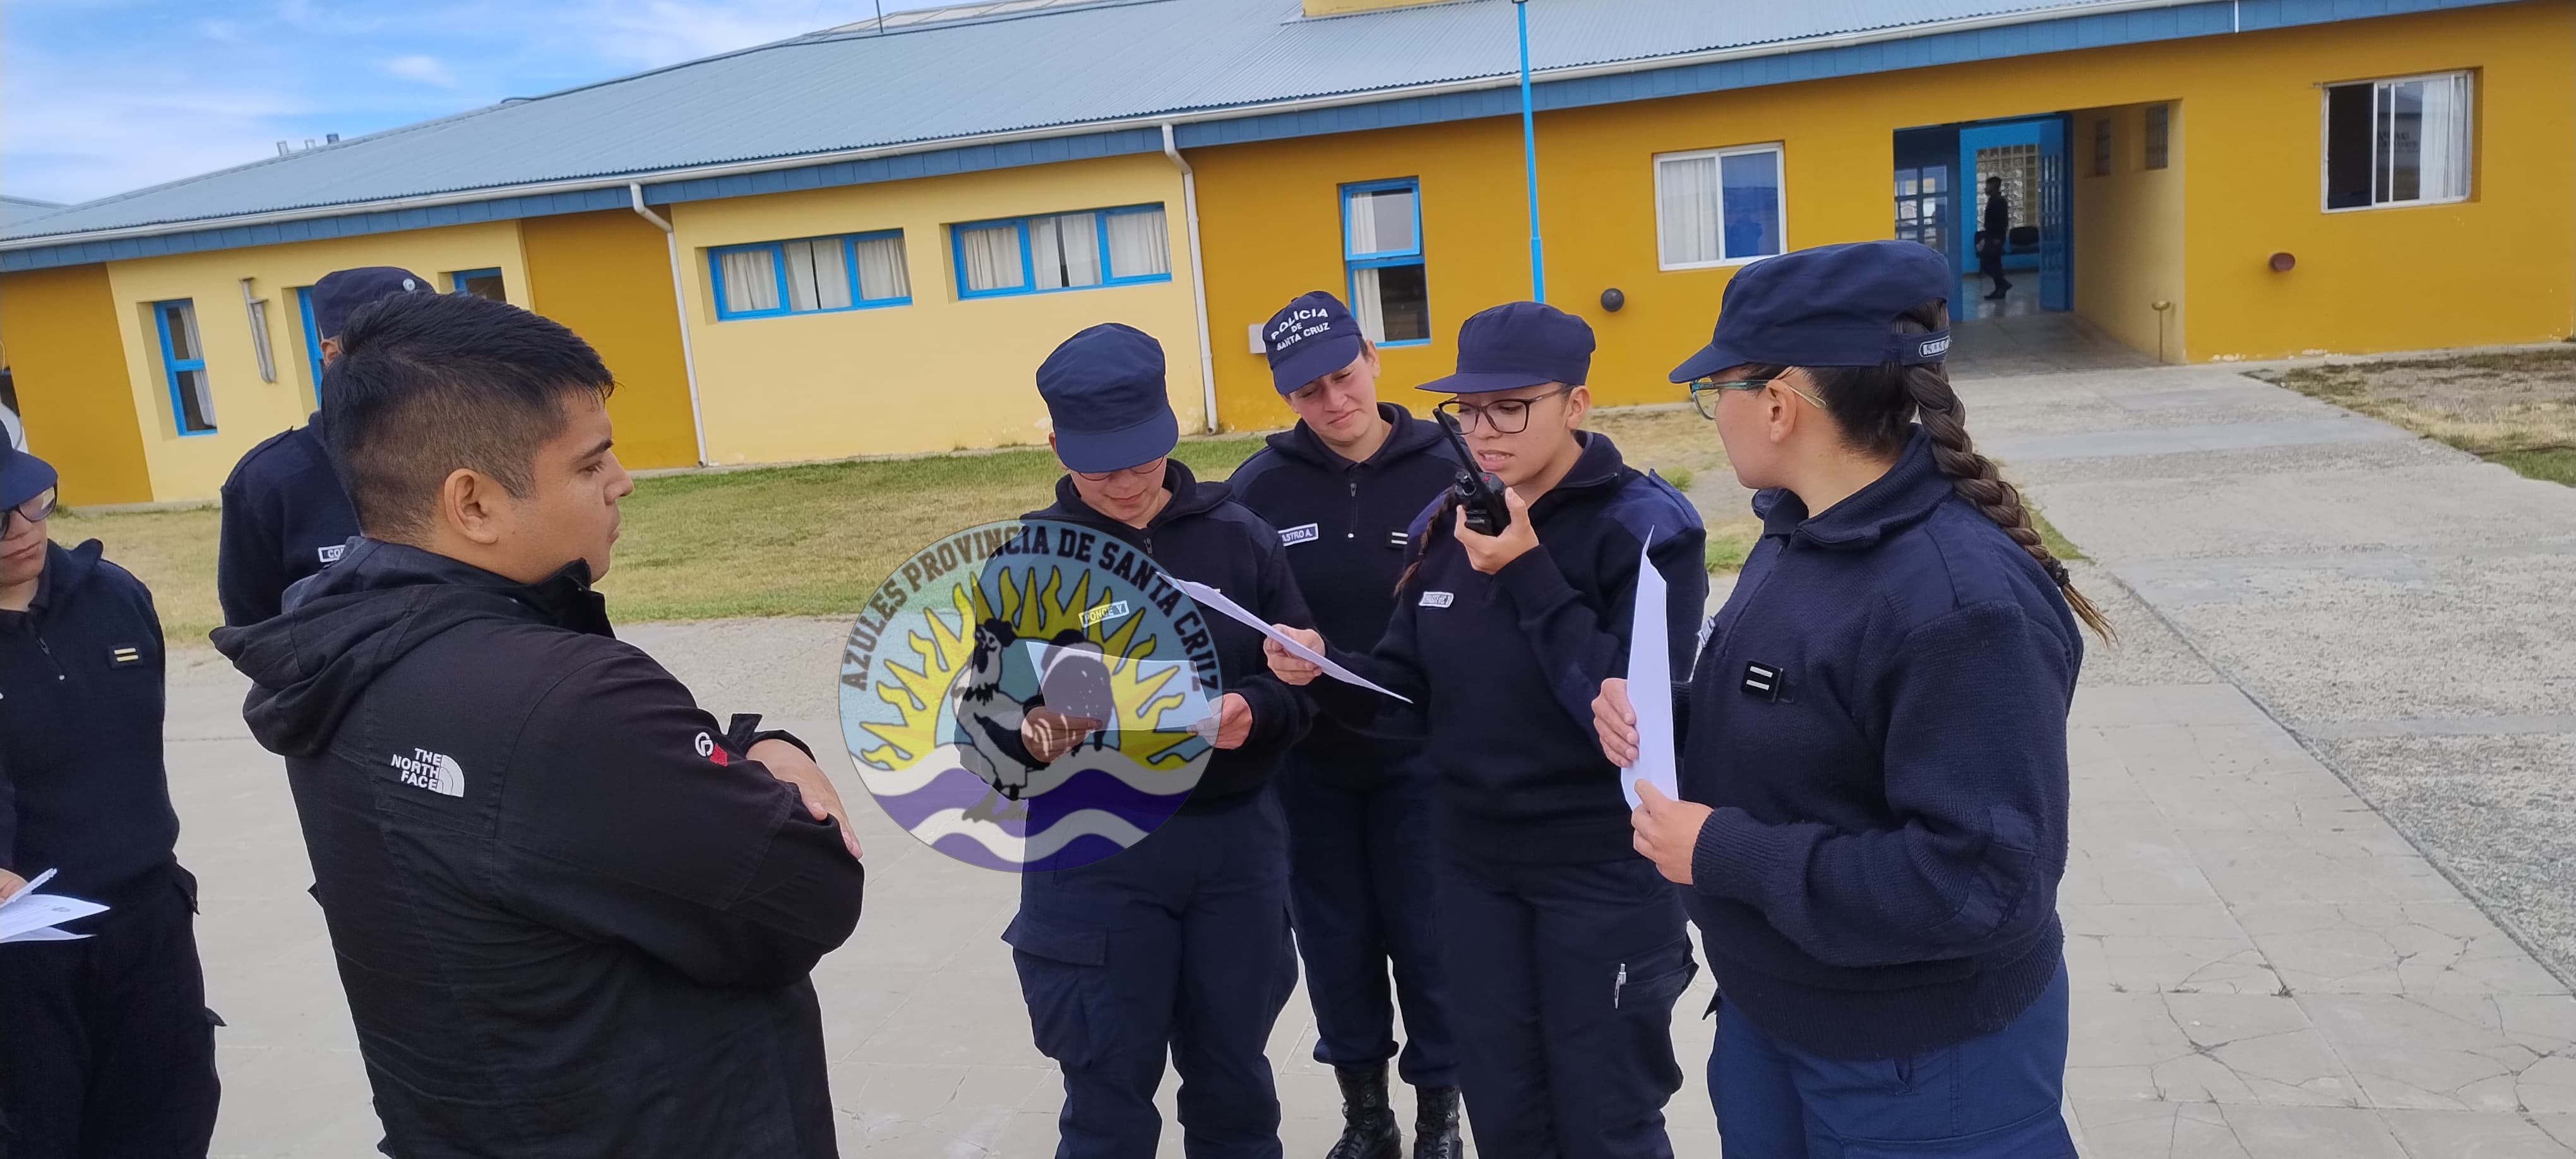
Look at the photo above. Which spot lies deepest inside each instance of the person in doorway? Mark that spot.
(1565, 950)
(285, 513)
(1992, 238)
(1873, 778)
(106, 1046)
(1177, 945)
(1343, 486)
(573, 914)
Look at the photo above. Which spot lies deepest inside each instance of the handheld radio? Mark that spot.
(1478, 493)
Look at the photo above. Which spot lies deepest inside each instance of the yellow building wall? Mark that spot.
(59, 326)
(247, 409)
(2499, 268)
(940, 373)
(2129, 230)
(607, 275)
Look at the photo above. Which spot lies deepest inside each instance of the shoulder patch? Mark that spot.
(1302, 533)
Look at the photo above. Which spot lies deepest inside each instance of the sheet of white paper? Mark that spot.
(1083, 690)
(1650, 687)
(1212, 598)
(29, 916)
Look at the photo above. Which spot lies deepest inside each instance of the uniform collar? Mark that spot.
(563, 599)
(1910, 489)
(1405, 435)
(1189, 497)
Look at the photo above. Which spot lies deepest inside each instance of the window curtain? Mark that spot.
(1368, 304)
(1066, 248)
(1139, 247)
(993, 258)
(1689, 209)
(2432, 131)
(750, 281)
(817, 277)
(881, 272)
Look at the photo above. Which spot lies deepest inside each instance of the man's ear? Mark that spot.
(1578, 403)
(471, 504)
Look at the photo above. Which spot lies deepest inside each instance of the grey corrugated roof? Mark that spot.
(17, 209)
(1017, 69)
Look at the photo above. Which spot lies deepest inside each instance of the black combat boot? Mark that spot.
(1435, 1123)
(1368, 1124)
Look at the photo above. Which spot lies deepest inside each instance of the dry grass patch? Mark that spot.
(172, 552)
(2515, 407)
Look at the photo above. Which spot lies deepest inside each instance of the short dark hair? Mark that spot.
(426, 384)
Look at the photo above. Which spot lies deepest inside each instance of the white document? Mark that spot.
(29, 916)
(1075, 681)
(1650, 687)
(1212, 598)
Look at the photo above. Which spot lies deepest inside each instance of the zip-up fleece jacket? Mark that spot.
(1503, 668)
(1879, 720)
(1347, 529)
(82, 787)
(571, 918)
(1202, 535)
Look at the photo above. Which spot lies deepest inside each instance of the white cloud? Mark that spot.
(422, 68)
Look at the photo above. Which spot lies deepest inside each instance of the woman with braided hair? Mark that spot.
(1872, 740)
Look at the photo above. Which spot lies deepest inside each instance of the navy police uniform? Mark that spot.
(1566, 950)
(1878, 721)
(1178, 944)
(286, 514)
(1360, 870)
(110, 1049)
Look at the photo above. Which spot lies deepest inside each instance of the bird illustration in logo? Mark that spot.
(1073, 684)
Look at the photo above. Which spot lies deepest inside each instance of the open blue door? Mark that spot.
(2056, 219)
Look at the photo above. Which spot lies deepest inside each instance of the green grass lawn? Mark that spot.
(2516, 408)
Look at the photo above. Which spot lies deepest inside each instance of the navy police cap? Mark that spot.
(341, 292)
(1104, 392)
(22, 476)
(1833, 305)
(1312, 336)
(1518, 344)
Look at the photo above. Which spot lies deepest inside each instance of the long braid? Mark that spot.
(1441, 521)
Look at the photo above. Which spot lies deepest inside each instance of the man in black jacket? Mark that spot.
(574, 915)
(1177, 945)
(286, 515)
(1991, 239)
(1342, 486)
(106, 1045)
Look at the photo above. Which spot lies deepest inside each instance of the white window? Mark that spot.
(1718, 206)
(2397, 142)
(1062, 251)
(1390, 295)
(810, 275)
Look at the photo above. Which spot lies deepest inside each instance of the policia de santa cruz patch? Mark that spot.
(972, 635)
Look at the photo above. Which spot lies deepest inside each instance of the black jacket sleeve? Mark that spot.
(629, 821)
(249, 573)
(1578, 648)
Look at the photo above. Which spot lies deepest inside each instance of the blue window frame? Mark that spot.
(484, 283)
(1042, 254)
(1382, 260)
(813, 275)
(183, 362)
(312, 346)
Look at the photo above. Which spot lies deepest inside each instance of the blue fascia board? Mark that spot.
(2214, 17)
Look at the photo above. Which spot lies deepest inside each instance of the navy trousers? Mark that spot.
(1359, 897)
(107, 1050)
(1564, 979)
(1176, 945)
(1992, 1097)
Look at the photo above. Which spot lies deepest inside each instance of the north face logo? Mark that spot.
(436, 772)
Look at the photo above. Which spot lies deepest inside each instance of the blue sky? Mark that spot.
(103, 96)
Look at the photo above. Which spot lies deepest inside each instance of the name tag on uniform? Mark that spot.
(331, 554)
(1762, 680)
(1291, 536)
(1437, 599)
(124, 654)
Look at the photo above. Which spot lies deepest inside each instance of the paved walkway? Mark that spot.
(2264, 966)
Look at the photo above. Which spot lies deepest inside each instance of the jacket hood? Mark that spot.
(1190, 496)
(355, 620)
(1407, 435)
(1902, 497)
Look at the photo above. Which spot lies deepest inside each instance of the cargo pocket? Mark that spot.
(2042, 1135)
(1064, 975)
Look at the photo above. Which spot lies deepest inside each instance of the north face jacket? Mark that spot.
(571, 918)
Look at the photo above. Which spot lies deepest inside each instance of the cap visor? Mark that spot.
(1128, 446)
(1708, 361)
(1313, 362)
(24, 478)
(1484, 382)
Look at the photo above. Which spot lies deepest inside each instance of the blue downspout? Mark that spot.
(1529, 159)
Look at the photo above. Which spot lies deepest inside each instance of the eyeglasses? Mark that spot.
(1510, 416)
(1705, 392)
(35, 510)
(1138, 471)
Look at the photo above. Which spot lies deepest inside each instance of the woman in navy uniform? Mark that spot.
(1565, 950)
(1342, 487)
(1179, 943)
(1873, 768)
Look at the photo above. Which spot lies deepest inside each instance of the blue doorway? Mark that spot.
(1942, 175)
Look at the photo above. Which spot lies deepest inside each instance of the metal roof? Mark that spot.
(983, 69)
(17, 209)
